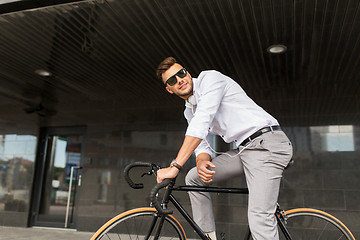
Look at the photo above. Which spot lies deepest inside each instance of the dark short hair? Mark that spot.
(164, 66)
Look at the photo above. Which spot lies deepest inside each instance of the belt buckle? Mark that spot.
(246, 141)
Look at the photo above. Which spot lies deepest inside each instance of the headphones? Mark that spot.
(192, 100)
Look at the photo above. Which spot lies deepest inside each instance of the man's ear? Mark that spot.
(168, 89)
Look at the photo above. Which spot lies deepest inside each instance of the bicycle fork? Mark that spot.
(159, 227)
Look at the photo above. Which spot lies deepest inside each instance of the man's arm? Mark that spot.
(189, 145)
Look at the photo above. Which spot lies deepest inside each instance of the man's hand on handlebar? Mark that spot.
(165, 173)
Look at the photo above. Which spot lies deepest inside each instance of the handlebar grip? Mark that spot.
(127, 177)
(154, 200)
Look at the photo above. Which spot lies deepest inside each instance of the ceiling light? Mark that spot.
(276, 49)
(43, 73)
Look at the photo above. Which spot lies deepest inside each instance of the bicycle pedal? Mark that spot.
(222, 236)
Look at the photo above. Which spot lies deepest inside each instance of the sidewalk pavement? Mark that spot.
(18, 233)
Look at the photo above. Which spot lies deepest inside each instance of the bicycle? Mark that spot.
(158, 222)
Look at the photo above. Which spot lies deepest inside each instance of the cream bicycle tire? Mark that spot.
(308, 223)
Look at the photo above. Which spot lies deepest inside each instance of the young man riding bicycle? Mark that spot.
(217, 104)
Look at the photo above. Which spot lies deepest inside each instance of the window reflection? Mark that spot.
(17, 155)
(333, 138)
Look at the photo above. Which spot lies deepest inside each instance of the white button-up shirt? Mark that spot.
(220, 106)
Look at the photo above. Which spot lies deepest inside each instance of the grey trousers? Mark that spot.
(262, 161)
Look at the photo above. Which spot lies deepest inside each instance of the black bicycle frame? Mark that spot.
(169, 197)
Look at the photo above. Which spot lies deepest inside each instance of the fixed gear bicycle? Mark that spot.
(158, 222)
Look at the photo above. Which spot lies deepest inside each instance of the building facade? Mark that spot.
(79, 101)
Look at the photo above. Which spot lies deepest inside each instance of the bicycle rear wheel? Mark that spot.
(136, 224)
(307, 223)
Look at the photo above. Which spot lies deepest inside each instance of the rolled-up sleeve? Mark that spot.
(203, 146)
(211, 89)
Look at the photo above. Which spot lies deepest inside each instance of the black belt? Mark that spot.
(258, 133)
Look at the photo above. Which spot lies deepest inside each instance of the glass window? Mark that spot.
(333, 138)
(17, 156)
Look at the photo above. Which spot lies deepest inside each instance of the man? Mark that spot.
(217, 104)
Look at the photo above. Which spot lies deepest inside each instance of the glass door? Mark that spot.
(56, 201)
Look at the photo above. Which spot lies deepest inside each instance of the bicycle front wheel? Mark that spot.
(139, 223)
(307, 223)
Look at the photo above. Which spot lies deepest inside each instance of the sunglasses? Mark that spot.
(172, 80)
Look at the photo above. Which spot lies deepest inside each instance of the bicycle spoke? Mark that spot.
(127, 228)
(137, 235)
(322, 231)
(138, 225)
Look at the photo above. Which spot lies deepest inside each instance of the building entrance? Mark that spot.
(57, 180)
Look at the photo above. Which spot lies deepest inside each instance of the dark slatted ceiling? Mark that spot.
(104, 53)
